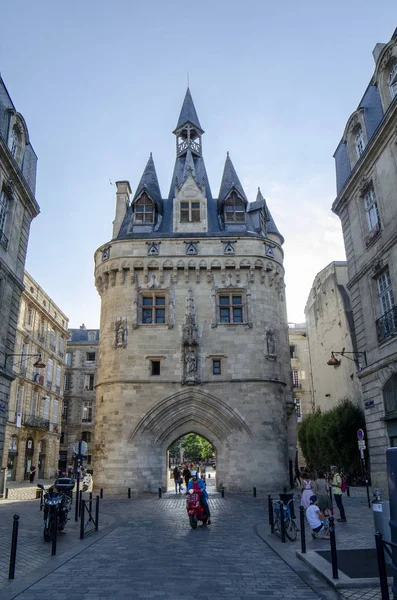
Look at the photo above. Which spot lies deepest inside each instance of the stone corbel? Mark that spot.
(186, 273)
(238, 275)
(145, 274)
(174, 276)
(171, 308)
(223, 275)
(161, 275)
(198, 273)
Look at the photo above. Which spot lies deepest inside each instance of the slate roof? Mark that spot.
(150, 183)
(188, 113)
(81, 335)
(229, 181)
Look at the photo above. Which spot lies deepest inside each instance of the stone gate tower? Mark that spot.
(194, 333)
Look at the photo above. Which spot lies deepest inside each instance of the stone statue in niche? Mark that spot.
(271, 343)
(121, 332)
(190, 363)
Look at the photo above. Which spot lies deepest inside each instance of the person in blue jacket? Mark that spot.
(203, 496)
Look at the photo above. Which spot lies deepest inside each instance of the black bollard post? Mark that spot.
(282, 522)
(41, 499)
(380, 555)
(97, 514)
(101, 493)
(82, 520)
(76, 508)
(270, 508)
(129, 492)
(254, 491)
(80, 501)
(14, 541)
(368, 498)
(6, 494)
(348, 490)
(222, 492)
(159, 492)
(90, 506)
(303, 533)
(54, 531)
(334, 557)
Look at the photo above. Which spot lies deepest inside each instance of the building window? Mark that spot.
(55, 408)
(91, 336)
(371, 209)
(50, 366)
(87, 412)
(28, 315)
(144, 211)
(4, 207)
(387, 323)
(295, 378)
(154, 367)
(60, 347)
(390, 395)
(292, 351)
(46, 408)
(216, 367)
(298, 407)
(69, 357)
(393, 80)
(190, 212)
(89, 459)
(65, 410)
(230, 308)
(153, 309)
(62, 438)
(67, 382)
(234, 209)
(86, 436)
(359, 141)
(90, 357)
(33, 404)
(52, 340)
(15, 141)
(89, 381)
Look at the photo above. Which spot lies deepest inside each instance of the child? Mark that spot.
(316, 519)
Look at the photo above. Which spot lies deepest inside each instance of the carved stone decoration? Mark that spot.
(153, 248)
(269, 251)
(121, 332)
(270, 344)
(171, 320)
(229, 247)
(191, 248)
(190, 343)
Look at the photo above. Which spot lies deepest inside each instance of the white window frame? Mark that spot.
(298, 408)
(295, 378)
(87, 410)
(52, 339)
(87, 382)
(385, 292)
(69, 358)
(50, 368)
(15, 141)
(371, 209)
(91, 336)
(34, 403)
(140, 216)
(58, 371)
(359, 141)
(66, 382)
(46, 408)
(55, 411)
(191, 211)
(4, 208)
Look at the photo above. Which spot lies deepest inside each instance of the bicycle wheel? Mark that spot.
(291, 530)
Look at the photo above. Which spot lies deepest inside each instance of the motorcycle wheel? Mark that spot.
(47, 533)
(193, 521)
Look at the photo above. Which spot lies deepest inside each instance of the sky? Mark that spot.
(101, 84)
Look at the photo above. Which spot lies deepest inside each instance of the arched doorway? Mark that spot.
(42, 456)
(12, 458)
(28, 456)
(191, 451)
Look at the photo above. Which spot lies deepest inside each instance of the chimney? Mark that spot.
(122, 203)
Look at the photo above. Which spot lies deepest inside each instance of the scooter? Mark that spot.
(194, 508)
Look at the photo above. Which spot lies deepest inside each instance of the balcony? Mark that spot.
(36, 422)
(41, 338)
(60, 353)
(57, 389)
(386, 326)
(3, 240)
(48, 384)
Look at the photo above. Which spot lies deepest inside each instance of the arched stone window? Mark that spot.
(144, 211)
(392, 79)
(390, 395)
(15, 141)
(359, 141)
(234, 209)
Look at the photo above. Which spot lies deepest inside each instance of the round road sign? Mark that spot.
(360, 434)
(83, 447)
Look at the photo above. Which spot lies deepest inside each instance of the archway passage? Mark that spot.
(190, 452)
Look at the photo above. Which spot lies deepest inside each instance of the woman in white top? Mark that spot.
(307, 490)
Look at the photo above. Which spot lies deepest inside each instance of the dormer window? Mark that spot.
(393, 80)
(234, 209)
(15, 141)
(144, 211)
(190, 212)
(359, 141)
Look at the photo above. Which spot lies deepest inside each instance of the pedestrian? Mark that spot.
(70, 471)
(337, 492)
(177, 479)
(316, 518)
(32, 473)
(297, 480)
(307, 490)
(186, 475)
(321, 488)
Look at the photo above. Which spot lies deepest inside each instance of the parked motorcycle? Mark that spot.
(194, 508)
(57, 497)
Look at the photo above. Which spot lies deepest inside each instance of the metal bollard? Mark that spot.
(54, 531)
(222, 492)
(82, 520)
(271, 513)
(303, 532)
(101, 493)
(254, 492)
(334, 556)
(97, 514)
(80, 501)
(129, 492)
(6, 494)
(368, 498)
(380, 555)
(90, 506)
(76, 511)
(282, 523)
(159, 492)
(41, 500)
(14, 541)
(348, 490)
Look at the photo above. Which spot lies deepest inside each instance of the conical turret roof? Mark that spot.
(149, 182)
(188, 113)
(229, 181)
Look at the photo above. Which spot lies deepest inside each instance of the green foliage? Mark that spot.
(195, 448)
(330, 438)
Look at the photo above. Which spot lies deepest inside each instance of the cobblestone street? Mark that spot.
(153, 553)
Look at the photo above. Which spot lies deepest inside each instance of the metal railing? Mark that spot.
(383, 546)
(36, 422)
(3, 240)
(387, 324)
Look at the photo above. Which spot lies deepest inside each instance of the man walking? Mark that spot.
(337, 492)
(186, 475)
(177, 479)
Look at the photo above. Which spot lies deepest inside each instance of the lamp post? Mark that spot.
(335, 362)
(39, 364)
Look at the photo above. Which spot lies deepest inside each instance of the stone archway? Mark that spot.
(193, 464)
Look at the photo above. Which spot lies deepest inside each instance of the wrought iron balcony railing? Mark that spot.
(386, 326)
(36, 422)
(3, 240)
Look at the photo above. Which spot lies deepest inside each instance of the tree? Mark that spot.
(195, 447)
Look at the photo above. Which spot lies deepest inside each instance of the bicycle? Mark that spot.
(291, 529)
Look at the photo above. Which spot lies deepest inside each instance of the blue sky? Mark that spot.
(101, 84)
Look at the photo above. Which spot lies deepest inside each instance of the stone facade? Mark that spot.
(36, 395)
(78, 417)
(330, 328)
(366, 168)
(301, 376)
(17, 209)
(194, 334)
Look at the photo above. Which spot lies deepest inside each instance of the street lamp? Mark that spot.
(335, 362)
(39, 364)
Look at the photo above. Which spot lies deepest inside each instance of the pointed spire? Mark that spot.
(188, 113)
(229, 181)
(189, 166)
(150, 182)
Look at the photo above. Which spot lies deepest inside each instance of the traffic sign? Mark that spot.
(360, 434)
(83, 447)
(361, 444)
